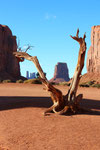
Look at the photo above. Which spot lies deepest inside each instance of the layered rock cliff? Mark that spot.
(93, 57)
(61, 73)
(9, 66)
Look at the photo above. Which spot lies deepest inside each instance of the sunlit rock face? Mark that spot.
(93, 57)
(61, 73)
(9, 66)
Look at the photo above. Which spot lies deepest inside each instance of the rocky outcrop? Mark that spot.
(61, 73)
(90, 77)
(93, 57)
(9, 66)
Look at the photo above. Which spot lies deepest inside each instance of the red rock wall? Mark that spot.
(9, 66)
(93, 57)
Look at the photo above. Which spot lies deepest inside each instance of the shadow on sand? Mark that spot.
(9, 102)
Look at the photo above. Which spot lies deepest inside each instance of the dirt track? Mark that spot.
(23, 127)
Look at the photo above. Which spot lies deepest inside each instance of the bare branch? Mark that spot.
(29, 47)
(20, 49)
(77, 34)
(79, 67)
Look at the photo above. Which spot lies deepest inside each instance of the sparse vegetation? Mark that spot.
(37, 75)
(54, 83)
(19, 81)
(90, 84)
(84, 85)
(96, 85)
(6, 81)
(33, 81)
(64, 83)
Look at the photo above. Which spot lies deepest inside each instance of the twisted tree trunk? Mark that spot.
(61, 104)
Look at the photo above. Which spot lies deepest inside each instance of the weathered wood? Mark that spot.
(72, 101)
(79, 67)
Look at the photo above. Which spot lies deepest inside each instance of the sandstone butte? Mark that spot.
(9, 66)
(93, 57)
(61, 73)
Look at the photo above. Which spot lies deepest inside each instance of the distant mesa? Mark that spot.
(9, 66)
(61, 73)
(30, 75)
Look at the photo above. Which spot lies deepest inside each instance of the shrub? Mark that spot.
(54, 83)
(87, 84)
(19, 81)
(96, 85)
(84, 85)
(33, 81)
(64, 83)
(6, 81)
(91, 83)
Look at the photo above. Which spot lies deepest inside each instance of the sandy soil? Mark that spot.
(23, 127)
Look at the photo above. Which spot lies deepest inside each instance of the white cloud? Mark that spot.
(54, 17)
(50, 16)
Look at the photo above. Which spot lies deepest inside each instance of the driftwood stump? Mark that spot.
(62, 103)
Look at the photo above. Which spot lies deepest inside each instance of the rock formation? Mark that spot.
(93, 57)
(30, 75)
(9, 66)
(61, 73)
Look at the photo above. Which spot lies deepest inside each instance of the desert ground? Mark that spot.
(23, 126)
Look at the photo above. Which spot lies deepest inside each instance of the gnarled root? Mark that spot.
(50, 109)
(73, 108)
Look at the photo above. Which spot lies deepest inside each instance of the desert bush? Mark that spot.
(64, 83)
(6, 81)
(19, 81)
(54, 83)
(91, 83)
(84, 85)
(33, 81)
(87, 84)
(96, 85)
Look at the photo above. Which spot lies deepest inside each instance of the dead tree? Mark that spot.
(62, 103)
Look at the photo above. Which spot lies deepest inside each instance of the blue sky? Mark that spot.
(46, 25)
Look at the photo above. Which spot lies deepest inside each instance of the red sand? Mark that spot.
(23, 127)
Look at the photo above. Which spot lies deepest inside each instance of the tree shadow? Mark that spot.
(14, 102)
(90, 106)
(90, 103)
